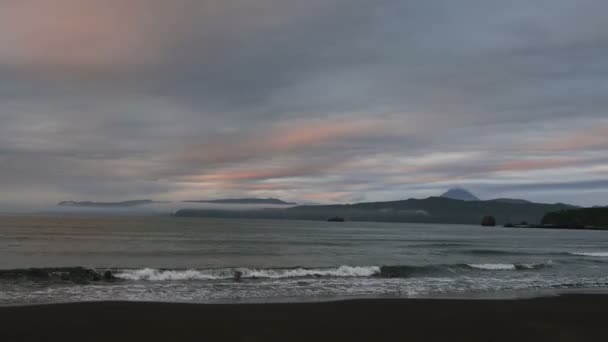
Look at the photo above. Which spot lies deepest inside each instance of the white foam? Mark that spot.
(493, 266)
(166, 275)
(342, 271)
(592, 254)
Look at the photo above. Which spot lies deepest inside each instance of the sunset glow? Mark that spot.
(323, 101)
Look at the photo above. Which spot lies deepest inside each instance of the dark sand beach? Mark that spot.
(564, 318)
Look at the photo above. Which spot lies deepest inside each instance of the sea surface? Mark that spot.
(241, 261)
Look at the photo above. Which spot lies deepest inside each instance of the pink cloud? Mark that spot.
(259, 172)
(72, 33)
(116, 34)
(281, 139)
(240, 175)
(591, 138)
(536, 164)
(327, 197)
(318, 133)
(428, 179)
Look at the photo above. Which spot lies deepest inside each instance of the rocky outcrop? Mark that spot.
(488, 221)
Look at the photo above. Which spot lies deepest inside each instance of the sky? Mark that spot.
(324, 101)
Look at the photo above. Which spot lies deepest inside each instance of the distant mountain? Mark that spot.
(245, 201)
(89, 204)
(460, 194)
(429, 210)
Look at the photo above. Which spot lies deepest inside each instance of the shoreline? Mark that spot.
(507, 295)
(503, 296)
(139, 215)
(559, 318)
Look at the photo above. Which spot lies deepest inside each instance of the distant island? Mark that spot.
(456, 206)
(584, 218)
(429, 210)
(90, 204)
(244, 201)
(143, 202)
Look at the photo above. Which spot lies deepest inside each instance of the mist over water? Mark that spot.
(215, 260)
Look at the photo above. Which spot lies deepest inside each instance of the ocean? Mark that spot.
(196, 260)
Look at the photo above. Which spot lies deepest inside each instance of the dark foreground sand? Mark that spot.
(567, 318)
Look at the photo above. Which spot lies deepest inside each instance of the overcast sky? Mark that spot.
(317, 100)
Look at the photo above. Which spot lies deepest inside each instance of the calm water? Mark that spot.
(214, 260)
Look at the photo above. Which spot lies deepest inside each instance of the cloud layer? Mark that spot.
(324, 101)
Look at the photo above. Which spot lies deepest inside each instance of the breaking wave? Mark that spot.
(504, 267)
(89, 275)
(246, 273)
(498, 252)
(592, 254)
(493, 266)
(403, 271)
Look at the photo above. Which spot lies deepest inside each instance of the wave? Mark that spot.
(402, 271)
(591, 254)
(493, 266)
(412, 271)
(492, 252)
(503, 267)
(88, 275)
(247, 273)
(439, 244)
(70, 274)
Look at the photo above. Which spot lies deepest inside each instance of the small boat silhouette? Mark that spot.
(336, 219)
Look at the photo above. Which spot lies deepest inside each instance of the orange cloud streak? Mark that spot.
(318, 133)
(283, 138)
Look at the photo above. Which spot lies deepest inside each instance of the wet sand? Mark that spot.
(565, 318)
